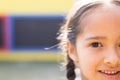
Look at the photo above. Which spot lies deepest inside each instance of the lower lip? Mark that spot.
(111, 77)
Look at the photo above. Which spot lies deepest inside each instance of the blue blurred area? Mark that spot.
(35, 32)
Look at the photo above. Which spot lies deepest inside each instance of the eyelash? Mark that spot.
(96, 45)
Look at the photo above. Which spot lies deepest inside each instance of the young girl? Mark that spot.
(91, 38)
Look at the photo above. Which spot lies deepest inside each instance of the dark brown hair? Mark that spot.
(70, 30)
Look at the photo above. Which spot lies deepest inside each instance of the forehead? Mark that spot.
(103, 16)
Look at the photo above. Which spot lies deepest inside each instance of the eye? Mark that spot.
(95, 45)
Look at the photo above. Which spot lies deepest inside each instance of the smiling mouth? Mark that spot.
(106, 72)
(109, 73)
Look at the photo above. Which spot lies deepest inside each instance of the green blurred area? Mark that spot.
(31, 71)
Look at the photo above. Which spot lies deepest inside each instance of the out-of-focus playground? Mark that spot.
(27, 28)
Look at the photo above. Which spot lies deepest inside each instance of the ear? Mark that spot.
(72, 51)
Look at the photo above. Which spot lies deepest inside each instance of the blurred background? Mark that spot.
(28, 30)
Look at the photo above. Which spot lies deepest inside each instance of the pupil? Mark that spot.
(95, 45)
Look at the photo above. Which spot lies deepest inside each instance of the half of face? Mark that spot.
(97, 49)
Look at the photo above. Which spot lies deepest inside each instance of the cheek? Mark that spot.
(88, 55)
(88, 61)
(88, 66)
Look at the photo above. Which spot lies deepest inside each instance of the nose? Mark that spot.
(112, 59)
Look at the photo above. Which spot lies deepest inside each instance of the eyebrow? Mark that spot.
(95, 38)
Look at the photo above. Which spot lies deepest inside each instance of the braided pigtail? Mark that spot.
(70, 67)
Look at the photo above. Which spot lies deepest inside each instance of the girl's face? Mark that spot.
(97, 48)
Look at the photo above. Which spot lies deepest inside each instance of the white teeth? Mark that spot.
(108, 72)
